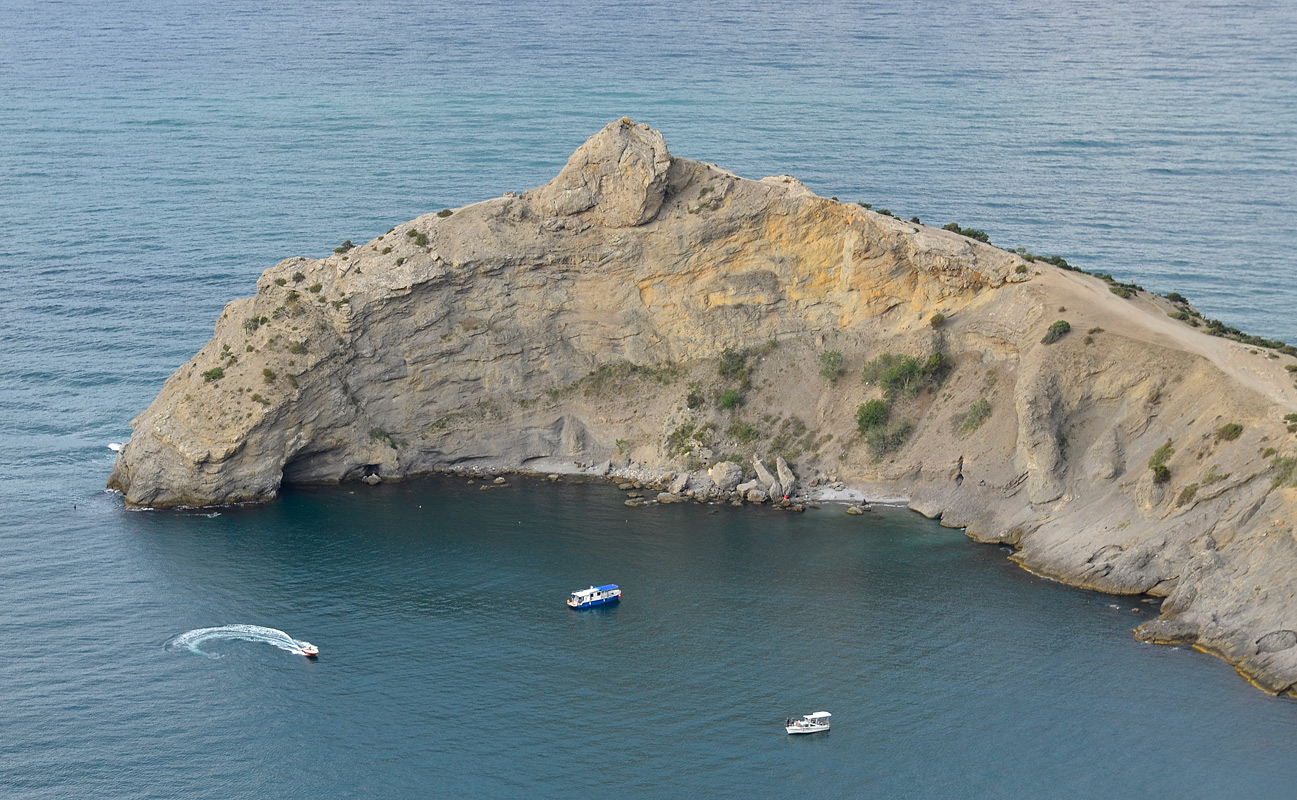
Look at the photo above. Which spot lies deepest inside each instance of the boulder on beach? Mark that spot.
(726, 475)
(787, 480)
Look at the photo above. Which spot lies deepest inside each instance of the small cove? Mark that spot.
(948, 669)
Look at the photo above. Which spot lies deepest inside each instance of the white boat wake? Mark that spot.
(192, 640)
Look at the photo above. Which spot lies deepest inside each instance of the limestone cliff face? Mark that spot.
(585, 319)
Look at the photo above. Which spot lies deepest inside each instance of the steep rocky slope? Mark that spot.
(585, 320)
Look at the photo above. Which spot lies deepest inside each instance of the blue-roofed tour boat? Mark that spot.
(595, 596)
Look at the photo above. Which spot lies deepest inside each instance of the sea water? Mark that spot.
(156, 157)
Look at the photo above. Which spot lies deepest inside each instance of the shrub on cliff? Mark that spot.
(732, 363)
(937, 320)
(1056, 331)
(887, 440)
(972, 233)
(906, 374)
(729, 399)
(831, 365)
(213, 374)
(743, 433)
(1157, 462)
(978, 413)
(1284, 471)
(871, 415)
(1230, 432)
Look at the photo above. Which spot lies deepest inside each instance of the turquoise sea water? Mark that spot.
(156, 157)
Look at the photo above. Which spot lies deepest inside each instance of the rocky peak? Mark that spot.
(618, 177)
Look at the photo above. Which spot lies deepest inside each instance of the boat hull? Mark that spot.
(592, 603)
(806, 728)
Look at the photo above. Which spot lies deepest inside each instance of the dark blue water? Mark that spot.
(156, 157)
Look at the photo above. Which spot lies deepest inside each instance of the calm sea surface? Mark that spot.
(156, 157)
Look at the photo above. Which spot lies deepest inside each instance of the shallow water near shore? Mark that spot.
(154, 160)
(449, 663)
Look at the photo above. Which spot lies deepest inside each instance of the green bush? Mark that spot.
(1056, 331)
(1021, 269)
(978, 413)
(256, 398)
(871, 415)
(1157, 462)
(347, 245)
(281, 281)
(385, 250)
(315, 288)
(831, 365)
(297, 348)
(1284, 471)
(971, 233)
(732, 363)
(400, 261)
(412, 233)
(695, 399)
(1230, 432)
(421, 239)
(1291, 367)
(729, 399)
(744, 434)
(213, 374)
(1122, 291)
(445, 212)
(268, 375)
(1187, 494)
(885, 212)
(298, 277)
(1176, 297)
(937, 320)
(887, 440)
(915, 220)
(905, 374)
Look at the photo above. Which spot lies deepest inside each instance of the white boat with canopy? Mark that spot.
(811, 723)
(595, 596)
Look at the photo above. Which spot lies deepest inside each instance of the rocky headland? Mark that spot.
(709, 337)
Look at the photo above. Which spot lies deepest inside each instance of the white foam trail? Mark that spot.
(115, 446)
(192, 640)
